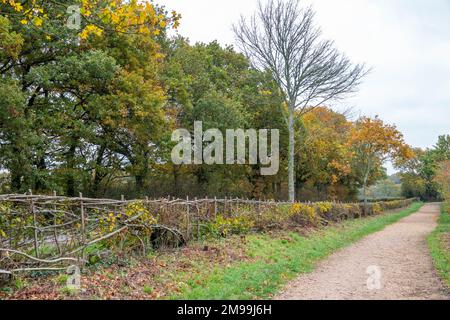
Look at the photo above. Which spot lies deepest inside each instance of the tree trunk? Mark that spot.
(16, 180)
(40, 184)
(366, 178)
(139, 182)
(291, 173)
(97, 175)
(365, 195)
(70, 162)
(176, 180)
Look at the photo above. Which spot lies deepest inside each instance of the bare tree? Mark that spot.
(282, 38)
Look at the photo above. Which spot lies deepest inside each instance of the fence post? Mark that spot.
(187, 218)
(83, 228)
(225, 206)
(33, 212)
(198, 218)
(122, 205)
(55, 230)
(83, 221)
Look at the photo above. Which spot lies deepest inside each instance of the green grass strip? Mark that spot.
(278, 260)
(438, 246)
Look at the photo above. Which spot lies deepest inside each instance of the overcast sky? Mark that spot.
(406, 42)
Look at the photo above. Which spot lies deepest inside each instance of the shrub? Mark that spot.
(304, 214)
(272, 217)
(324, 207)
(376, 208)
(143, 222)
(224, 226)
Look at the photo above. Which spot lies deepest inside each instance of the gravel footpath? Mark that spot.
(391, 264)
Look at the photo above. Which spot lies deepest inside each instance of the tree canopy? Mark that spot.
(91, 109)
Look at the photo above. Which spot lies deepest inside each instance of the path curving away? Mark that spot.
(394, 263)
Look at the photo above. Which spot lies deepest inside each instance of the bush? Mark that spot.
(321, 213)
(304, 214)
(224, 226)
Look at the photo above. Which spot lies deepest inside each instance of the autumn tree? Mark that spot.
(322, 160)
(442, 178)
(79, 93)
(372, 143)
(282, 38)
(413, 185)
(419, 173)
(216, 85)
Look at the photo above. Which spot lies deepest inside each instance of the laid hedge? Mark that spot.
(322, 213)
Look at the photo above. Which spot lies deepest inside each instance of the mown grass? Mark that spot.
(281, 258)
(439, 241)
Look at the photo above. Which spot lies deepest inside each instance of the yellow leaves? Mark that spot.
(129, 16)
(176, 17)
(17, 6)
(304, 212)
(324, 207)
(37, 21)
(376, 207)
(225, 226)
(115, 15)
(324, 152)
(115, 19)
(90, 30)
(334, 179)
(32, 12)
(373, 137)
(86, 12)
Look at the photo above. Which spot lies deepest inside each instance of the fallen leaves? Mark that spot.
(166, 273)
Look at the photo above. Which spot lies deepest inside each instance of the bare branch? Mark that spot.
(281, 37)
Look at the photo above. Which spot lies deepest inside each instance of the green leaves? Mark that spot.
(10, 41)
(91, 71)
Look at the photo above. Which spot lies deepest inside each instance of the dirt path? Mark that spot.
(396, 256)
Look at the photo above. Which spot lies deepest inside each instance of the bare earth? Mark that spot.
(399, 251)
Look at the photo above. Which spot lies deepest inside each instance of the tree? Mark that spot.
(281, 37)
(80, 94)
(372, 143)
(322, 160)
(419, 173)
(443, 179)
(413, 185)
(216, 85)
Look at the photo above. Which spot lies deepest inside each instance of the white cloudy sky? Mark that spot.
(406, 42)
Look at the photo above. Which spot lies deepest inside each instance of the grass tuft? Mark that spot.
(439, 244)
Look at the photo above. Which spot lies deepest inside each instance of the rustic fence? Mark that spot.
(51, 232)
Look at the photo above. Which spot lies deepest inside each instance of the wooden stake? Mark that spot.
(187, 217)
(83, 221)
(33, 212)
(55, 230)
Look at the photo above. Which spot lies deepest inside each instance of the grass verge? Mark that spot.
(439, 244)
(279, 259)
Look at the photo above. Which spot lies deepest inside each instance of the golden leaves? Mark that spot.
(17, 6)
(372, 136)
(137, 17)
(90, 30)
